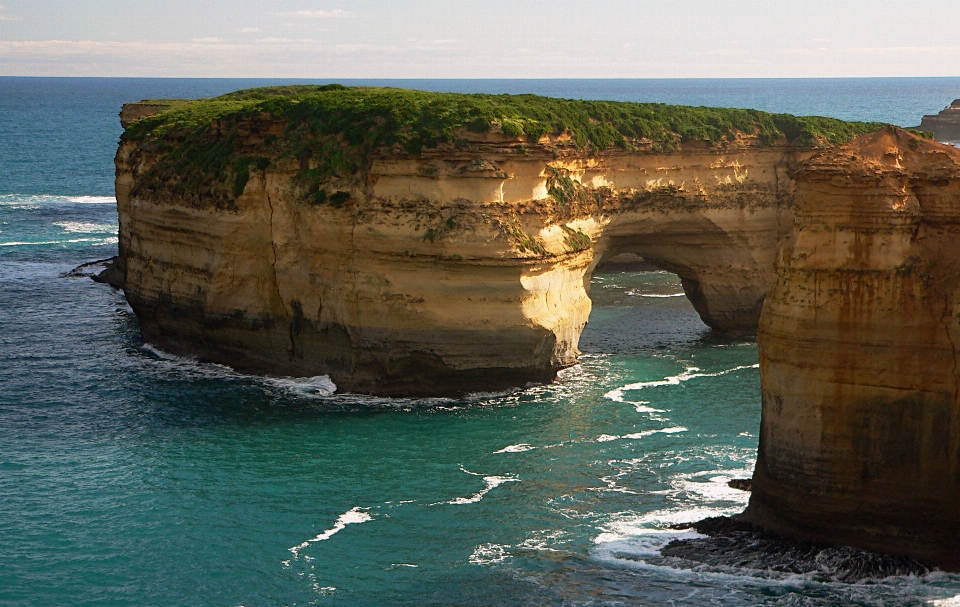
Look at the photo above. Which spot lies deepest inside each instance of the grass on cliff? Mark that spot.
(335, 129)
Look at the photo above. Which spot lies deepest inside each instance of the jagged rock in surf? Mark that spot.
(735, 543)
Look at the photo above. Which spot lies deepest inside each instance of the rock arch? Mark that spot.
(445, 273)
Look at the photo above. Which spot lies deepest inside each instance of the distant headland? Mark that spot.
(945, 126)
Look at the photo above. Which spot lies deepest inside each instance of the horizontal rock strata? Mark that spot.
(860, 436)
(945, 126)
(449, 269)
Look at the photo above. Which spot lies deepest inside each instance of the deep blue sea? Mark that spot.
(131, 477)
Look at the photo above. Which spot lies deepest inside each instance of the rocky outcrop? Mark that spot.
(945, 126)
(264, 240)
(440, 280)
(134, 112)
(859, 336)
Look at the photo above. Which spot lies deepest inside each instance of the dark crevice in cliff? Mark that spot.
(276, 281)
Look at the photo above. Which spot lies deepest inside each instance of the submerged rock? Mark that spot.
(108, 271)
(859, 336)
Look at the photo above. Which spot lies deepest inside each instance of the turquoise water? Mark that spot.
(128, 476)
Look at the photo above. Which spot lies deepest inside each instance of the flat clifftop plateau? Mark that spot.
(859, 336)
(412, 243)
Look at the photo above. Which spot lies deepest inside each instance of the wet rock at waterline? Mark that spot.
(735, 543)
(860, 432)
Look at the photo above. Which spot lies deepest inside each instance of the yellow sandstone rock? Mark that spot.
(446, 273)
(860, 437)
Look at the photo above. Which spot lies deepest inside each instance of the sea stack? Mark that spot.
(945, 126)
(859, 341)
(411, 243)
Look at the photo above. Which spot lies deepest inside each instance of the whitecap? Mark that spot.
(635, 293)
(353, 516)
(716, 488)
(953, 601)
(491, 482)
(605, 438)
(673, 380)
(85, 227)
(519, 448)
(653, 530)
(93, 199)
(487, 554)
(641, 407)
(38, 199)
(101, 241)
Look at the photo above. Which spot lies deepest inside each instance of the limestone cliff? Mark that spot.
(410, 253)
(860, 436)
(945, 126)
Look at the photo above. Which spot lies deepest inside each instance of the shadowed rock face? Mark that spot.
(945, 126)
(860, 436)
(445, 272)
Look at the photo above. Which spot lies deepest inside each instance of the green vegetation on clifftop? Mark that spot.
(334, 130)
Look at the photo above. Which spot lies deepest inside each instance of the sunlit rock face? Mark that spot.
(860, 437)
(446, 272)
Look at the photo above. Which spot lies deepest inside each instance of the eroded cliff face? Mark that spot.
(859, 336)
(451, 271)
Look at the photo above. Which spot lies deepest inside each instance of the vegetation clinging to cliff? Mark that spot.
(333, 130)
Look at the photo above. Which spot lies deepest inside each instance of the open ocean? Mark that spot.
(132, 477)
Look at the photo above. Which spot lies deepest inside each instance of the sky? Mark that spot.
(480, 39)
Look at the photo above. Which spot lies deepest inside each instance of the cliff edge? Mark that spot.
(411, 243)
(945, 126)
(859, 336)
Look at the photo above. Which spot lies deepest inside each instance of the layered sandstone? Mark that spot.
(860, 436)
(449, 269)
(945, 126)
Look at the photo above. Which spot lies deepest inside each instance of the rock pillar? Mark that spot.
(860, 436)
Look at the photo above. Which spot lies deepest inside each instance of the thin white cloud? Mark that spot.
(297, 57)
(320, 14)
(5, 17)
(249, 30)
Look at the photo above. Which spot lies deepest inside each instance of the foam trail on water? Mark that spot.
(85, 227)
(491, 482)
(93, 199)
(673, 380)
(352, 516)
(641, 407)
(54, 199)
(605, 438)
(520, 448)
(636, 293)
